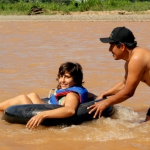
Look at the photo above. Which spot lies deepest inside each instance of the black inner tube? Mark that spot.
(22, 113)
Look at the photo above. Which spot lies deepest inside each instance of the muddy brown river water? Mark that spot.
(30, 54)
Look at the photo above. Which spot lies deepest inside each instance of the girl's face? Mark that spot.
(66, 81)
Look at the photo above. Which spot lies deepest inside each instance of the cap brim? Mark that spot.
(106, 40)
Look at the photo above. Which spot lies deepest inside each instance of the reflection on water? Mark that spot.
(30, 55)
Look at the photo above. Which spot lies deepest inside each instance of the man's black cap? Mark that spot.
(119, 34)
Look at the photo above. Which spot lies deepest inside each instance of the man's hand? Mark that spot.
(98, 108)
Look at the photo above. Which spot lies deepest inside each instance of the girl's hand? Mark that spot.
(35, 121)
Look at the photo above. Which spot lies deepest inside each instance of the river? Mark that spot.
(30, 54)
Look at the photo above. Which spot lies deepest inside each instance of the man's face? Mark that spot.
(117, 53)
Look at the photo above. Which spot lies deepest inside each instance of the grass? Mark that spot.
(23, 8)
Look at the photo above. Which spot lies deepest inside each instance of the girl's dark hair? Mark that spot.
(74, 69)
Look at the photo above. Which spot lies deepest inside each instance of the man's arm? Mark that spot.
(119, 86)
(134, 72)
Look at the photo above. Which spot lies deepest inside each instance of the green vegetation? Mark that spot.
(24, 7)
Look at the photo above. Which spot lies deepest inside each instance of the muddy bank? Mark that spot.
(84, 16)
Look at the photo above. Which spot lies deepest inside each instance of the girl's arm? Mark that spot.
(69, 109)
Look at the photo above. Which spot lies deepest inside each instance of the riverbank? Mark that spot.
(82, 16)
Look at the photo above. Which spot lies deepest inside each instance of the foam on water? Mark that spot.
(122, 125)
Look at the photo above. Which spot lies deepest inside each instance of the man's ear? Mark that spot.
(123, 47)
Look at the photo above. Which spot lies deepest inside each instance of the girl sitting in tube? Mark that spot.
(69, 93)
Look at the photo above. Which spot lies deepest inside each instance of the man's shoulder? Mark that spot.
(140, 52)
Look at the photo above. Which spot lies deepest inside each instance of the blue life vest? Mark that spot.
(83, 94)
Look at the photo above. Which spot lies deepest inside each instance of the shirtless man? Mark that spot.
(137, 68)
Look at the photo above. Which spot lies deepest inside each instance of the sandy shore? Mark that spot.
(84, 16)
